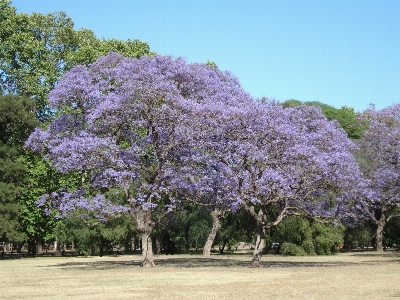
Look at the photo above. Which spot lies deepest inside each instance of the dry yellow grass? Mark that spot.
(344, 276)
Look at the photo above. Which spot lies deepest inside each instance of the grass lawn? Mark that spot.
(343, 276)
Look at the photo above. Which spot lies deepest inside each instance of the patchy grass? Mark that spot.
(342, 276)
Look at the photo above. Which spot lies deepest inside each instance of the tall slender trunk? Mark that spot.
(144, 225)
(40, 248)
(379, 234)
(259, 246)
(55, 248)
(215, 214)
(158, 246)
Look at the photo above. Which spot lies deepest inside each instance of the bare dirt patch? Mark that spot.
(344, 276)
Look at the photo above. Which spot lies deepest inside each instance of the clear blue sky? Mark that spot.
(336, 52)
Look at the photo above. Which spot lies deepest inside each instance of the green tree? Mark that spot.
(37, 49)
(89, 48)
(17, 121)
(33, 53)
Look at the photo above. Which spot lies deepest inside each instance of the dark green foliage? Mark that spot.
(17, 121)
(199, 230)
(359, 236)
(89, 235)
(183, 230)
(235, 227)
(292, 250)
(24, 176)
(310, 236)
(327, 238)
(294, 231)
(392, 233)
(41, 179)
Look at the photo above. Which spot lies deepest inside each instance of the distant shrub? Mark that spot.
(292, 250)
(327, 238)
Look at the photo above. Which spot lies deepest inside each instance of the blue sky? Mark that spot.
(337, 52)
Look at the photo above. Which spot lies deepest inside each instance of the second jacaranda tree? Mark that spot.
(283, 162)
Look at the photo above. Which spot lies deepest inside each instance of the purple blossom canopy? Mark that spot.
(128, 123)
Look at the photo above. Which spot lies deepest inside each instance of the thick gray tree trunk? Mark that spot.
(379, 235)
(147, 250)
(144, 225)
(215, 214)
(259, 247)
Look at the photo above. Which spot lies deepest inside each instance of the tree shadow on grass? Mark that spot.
(188, 262)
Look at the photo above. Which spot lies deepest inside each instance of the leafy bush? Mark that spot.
(311, 236)
(327, 238)
(292, 249)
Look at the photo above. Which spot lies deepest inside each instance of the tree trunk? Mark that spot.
(379, 235)
(215, 214)
(158, 246)
(147, 250)
(259, 247)
(55, 248)
(40, 248)
(145, 227)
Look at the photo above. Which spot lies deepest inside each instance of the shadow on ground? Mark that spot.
(181, 262)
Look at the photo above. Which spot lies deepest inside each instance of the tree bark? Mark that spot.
(55, 248)
(40, 248)
(215, 214)
(259, 247)
(158, 246)
(379, 234)
(145, 227)
(147, 250)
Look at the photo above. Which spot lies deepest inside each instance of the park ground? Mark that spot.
(365, 275)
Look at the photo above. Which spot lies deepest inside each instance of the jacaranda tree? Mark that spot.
(284, 162)
(379, 157)
(127, 125)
